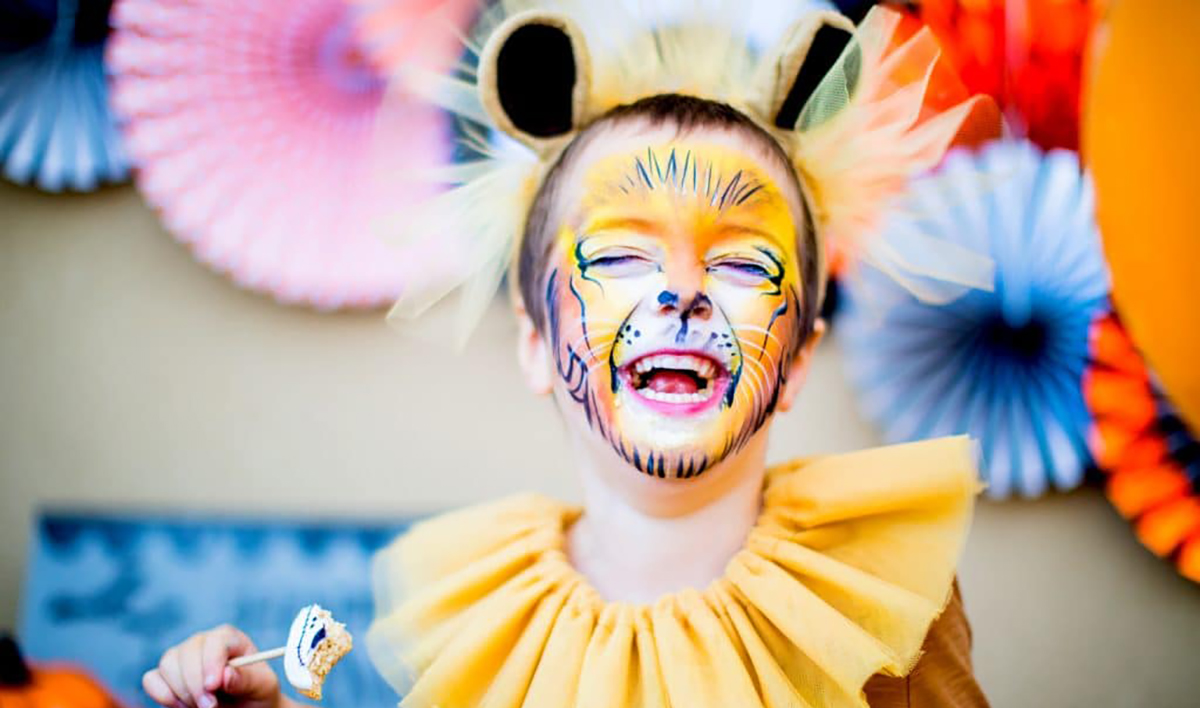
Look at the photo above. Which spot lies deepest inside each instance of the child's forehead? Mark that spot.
(718, 168)
(637, 148)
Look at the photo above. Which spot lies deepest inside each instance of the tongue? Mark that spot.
(667, 381)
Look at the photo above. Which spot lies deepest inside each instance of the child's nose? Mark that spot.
(684, 292)
(695, 305)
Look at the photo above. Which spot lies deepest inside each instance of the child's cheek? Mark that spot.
(613, 299)
(616, 299)
(762, 319)
(743, 305)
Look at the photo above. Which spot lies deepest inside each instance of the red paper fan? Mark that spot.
(1028, 54)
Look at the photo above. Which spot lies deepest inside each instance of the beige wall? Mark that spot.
(131, 377)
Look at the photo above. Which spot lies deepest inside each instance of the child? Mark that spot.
(669, 274)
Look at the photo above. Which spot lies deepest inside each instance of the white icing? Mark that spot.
(304, 636)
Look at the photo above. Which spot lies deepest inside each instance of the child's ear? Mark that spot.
(798, 371)
(791, 72)
(534, 78)
(533, 353)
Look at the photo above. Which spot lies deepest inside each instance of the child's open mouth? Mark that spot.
(678, 383)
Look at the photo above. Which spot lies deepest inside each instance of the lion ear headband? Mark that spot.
(857, 125)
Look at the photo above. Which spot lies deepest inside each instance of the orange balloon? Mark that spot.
(1141, 143)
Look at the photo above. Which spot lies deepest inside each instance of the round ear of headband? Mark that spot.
(534, 76)
(788, 77)
(802, 58)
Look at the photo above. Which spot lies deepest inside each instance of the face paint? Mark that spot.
(673, 304)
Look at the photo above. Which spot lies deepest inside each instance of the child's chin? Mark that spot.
(681, 461)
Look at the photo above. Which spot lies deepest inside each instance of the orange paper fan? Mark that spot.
(1150, 458)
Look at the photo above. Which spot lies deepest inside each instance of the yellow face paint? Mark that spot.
(673, 303)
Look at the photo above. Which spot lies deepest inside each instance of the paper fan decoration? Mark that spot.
(398, 34)
(1149, 456)
(258, 134)
(56, 130)
(1030, 55)
(1003, 366)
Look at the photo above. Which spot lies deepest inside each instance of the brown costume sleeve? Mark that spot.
(943, 677)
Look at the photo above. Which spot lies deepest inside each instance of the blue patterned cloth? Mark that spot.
(56, 129)
(1004, 366)
(112, 593)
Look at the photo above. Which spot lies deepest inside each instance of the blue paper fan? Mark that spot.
(1004, 366)
(56, 130)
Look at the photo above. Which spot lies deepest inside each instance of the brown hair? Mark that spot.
(687, 113)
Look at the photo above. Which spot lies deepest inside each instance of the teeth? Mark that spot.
(684, 362)
(674, 397)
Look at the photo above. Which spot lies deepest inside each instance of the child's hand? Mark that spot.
(193, 674)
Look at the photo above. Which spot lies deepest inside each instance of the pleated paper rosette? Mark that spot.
(56, 130)
(1030, 55)
(1004, 366)
(1149, 456)
(259, 138)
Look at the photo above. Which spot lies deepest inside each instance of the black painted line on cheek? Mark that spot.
(565, 371)
(779, 311)
(735, 377)
(583, 313)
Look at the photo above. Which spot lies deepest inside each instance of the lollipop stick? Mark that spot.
(260, 656)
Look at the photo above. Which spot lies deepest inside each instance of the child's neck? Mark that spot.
(641, 537)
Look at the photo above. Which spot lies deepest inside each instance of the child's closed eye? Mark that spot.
(741, 272)
(618, 265)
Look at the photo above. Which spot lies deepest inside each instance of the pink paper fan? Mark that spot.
(400, 33)
(256, 130)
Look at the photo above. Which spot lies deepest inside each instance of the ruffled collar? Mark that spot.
(851, 560)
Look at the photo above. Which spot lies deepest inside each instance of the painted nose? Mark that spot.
(695, 306)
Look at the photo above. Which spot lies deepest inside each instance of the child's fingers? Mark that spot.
(253, 682)
(156, 687)
(219, 645)
(171, 672)
(191, 661)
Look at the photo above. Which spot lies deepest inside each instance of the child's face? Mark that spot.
(673, 297)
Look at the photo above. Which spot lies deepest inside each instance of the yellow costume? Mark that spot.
(850, 562)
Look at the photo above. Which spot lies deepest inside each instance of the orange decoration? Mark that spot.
(1149, 456)
(1141, 144)
(22, 686)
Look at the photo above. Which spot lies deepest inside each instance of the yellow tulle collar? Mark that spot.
(850, 562)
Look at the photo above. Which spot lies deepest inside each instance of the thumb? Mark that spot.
(253, 681)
